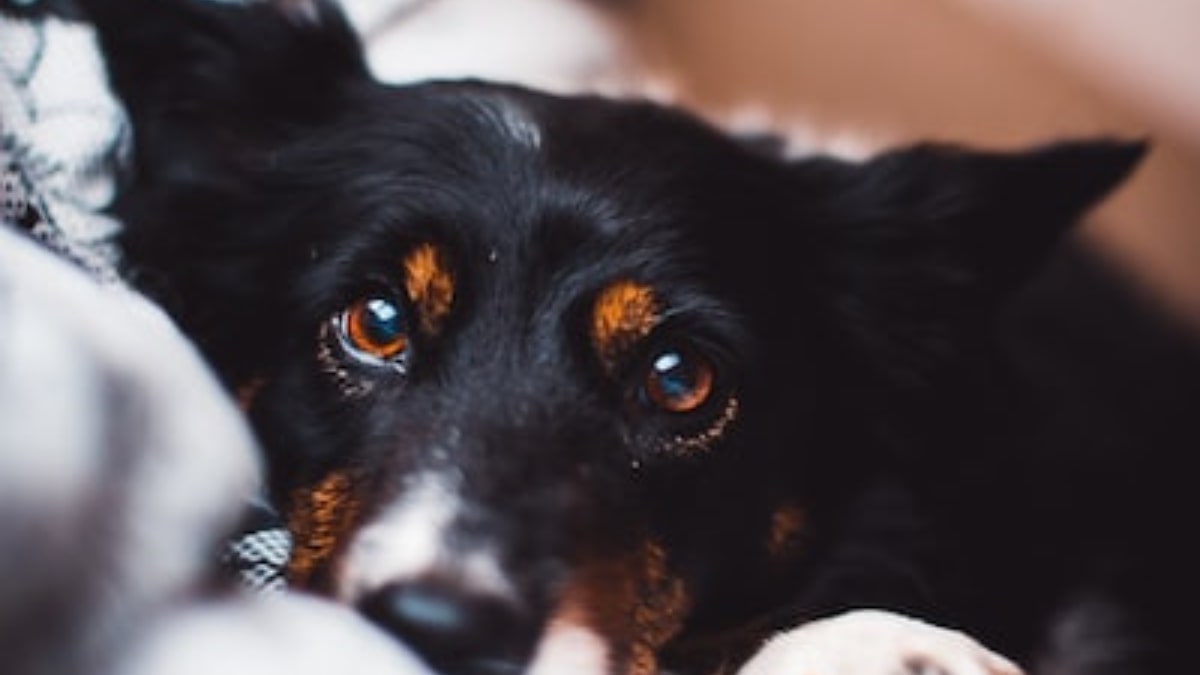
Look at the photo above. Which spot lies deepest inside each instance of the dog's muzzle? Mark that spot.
(411, 571)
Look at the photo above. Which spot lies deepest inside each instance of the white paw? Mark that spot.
(871, 642)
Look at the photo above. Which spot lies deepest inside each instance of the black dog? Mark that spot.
(540, 376)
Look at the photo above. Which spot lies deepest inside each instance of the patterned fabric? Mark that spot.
(63, 139)
(258, 555)
(62, 135)
(258, 559)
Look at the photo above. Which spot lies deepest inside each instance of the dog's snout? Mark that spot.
(455, 629)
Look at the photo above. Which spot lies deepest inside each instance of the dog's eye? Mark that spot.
(678, 380)
(374, 329)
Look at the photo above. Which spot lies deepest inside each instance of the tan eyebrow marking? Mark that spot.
(429, 283)
(625, 312)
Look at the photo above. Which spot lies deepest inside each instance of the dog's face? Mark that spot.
(518, 381)
(550, 380)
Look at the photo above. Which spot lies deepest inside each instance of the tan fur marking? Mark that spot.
(624, 313)
(634, 601)
(787, 528)
(659, 615)
(430, 286)
(318, 521)
(248, 392)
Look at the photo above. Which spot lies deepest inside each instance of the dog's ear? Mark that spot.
(214, 89)
(205, 80)
(918, 246)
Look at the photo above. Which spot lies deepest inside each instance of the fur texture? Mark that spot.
(534, 370)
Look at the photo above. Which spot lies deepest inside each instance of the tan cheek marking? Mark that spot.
(632, 600)
(430, 286)
(319, 520)
(787, 530)
(660, 614)
(624, 313)
(599, 597)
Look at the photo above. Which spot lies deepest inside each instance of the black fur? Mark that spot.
(970, 442)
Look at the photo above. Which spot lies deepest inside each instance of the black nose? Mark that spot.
(455, 630)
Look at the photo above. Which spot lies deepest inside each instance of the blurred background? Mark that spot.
(862, 74)
(993, 72)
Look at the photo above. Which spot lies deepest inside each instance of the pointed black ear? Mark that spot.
(203, 80)
(983, 218)
(918, 246)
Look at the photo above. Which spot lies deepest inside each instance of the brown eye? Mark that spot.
(679, 380)
(374, 330)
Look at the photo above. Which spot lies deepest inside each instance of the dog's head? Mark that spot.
(554, 380)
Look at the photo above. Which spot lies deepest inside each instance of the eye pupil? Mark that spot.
(374, 328)
(679, 381)
(381, 321)
(673, 377)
